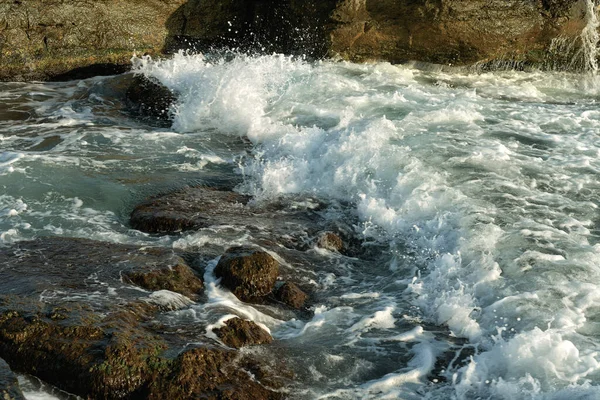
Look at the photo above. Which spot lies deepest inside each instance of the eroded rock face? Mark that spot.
(247, 272)
(238, 333)
(449, 32)
(67, 318)
(187, 209)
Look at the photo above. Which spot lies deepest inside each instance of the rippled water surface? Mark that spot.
(476, 195)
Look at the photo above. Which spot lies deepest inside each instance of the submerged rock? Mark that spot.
(330, 241)
(67, 318)
(178, 278)
(238, 333)
(290, 294)
(247, 272)
(9, 385)
(186, 209)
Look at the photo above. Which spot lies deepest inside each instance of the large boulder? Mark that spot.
(249, 273)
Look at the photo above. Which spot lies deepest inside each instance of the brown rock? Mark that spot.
(179, 278)
(291, 295)
(208, 374)
(42, 39)
(238, 333)
(247, 272)
(186, 209)
(330, 241)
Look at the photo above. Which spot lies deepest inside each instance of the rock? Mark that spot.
(291, 294)
(247, 272)
(238, 333)
(448, 32)
(330, 241)
(67, 318)
(42, 39)
(148, 98)
(203, 373)
(178, 278)
(9, 385)
(186, 209)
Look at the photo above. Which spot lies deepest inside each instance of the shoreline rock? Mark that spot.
(67, 318)
(72, 39)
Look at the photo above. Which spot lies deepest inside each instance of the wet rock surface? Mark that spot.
(67, 318)
(249, 273)
(290, 294)
(9, 385)
(178, 278)
(238, 333)
(187, 209)
(148, 99)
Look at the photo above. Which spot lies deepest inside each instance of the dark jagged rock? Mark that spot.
(67, 318)
(290, 294)
(330, 241)
(148, 98)
(178, 278)
(238, 333)
(186, 209)
(9, 385)
(247, 272)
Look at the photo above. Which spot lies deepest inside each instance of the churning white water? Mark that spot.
(483, 189)
(479, 194)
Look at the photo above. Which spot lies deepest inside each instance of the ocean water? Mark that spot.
(476, 194)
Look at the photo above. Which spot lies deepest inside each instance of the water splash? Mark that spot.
(580, 53)
(590, 37)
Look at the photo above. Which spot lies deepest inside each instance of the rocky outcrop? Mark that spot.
(48, 39)
(447, 32)
(75, 38)
(68, 318)
(238, 333)
(330, 241)
(249, 273)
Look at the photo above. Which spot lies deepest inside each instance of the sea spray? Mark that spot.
(590, 37)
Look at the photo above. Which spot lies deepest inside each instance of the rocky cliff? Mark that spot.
(45, 39)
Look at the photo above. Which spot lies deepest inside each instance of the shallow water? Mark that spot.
(477, 195)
